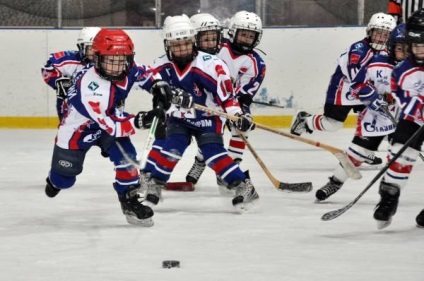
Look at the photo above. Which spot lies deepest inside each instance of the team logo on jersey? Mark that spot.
(93, 86)
(92, 137)
(207, 57)
(354, 58)
(65, 164)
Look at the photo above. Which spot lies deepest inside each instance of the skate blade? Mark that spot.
(383, 224)
(136, 221)
(245, 207)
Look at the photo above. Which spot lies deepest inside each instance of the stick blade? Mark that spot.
(295, 187)
(348, 166)
(180, 186)
(336, 213)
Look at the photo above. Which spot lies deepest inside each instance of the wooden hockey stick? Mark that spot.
(392, 118)
(282, 186)
(347, 165)
(336, 213)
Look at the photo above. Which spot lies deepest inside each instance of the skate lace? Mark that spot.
(331, 188)
(246, 190)
(197, 169)
(154, 188)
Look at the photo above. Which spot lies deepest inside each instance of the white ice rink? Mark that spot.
(83, 235)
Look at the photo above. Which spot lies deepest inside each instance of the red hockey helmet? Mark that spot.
(113, 54)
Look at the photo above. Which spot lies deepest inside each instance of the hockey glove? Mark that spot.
(62, 86)
(182, 98)
(377, 103)
(143, 119)
(162, 94)
(245, 99)
(244, 122)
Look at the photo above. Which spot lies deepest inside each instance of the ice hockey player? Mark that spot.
(406, 81)
(204, 79)
(247, 70)
(96, 117)
(339, 101)
(59, 68)
(371, 86)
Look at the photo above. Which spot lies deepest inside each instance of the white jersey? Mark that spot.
(96, 107)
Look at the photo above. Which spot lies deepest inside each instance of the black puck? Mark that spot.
(170, 264)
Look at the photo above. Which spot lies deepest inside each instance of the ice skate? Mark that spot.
(153, 192)
(134, 211)
(373, 160)
(328, 189)
(50, 190)
(299, 125)
(144, 178)
(245, 194)
(387, 206)
(196, 171)
(420, 219)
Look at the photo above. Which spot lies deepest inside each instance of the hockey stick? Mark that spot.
(282, 186)
(268, 104)
(392, 118)
(336, 213)
(347, 165)
(148, 143)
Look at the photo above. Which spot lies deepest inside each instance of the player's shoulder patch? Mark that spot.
(354, 58)
(206, 57)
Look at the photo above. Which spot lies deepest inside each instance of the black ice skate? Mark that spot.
(373, 160)
(245, 194)
(196, 171)
(387, 206)
(50, 190)
(134, 211)
(299, 125)
(328, 189)
(420, 219)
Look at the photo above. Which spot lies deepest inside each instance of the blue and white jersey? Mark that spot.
(349, 63)
(408, 88)
(370, 82)
(61, 64)
(96, 107)
(208, 80)
(247, 71)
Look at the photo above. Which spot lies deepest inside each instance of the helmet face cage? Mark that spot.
(245, 21)
(415, 36)
(178, 29)
(378, 30)
(208, 33)
(113, 54)
(85, 41)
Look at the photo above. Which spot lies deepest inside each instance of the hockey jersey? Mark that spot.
(371, 81)
(96, 107)
(349, 64)
(407, 87)
(208, 80)
(247, 71)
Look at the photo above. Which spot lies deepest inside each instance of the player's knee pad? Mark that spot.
(67, 162)
(209, 138)
(61, 181)
(212, 151)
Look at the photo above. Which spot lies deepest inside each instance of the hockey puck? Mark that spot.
(170, 264)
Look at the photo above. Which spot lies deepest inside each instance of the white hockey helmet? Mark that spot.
(246, 21)
(85, 39)
(178, 28)
(206, 22)
(380, 21)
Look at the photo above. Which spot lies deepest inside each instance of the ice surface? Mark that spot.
(83, 235)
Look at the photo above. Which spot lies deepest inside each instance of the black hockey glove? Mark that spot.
(244, 123)
(62, 86)
(245, 99)
(143, 119)
(162, 94)
(182, 98)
